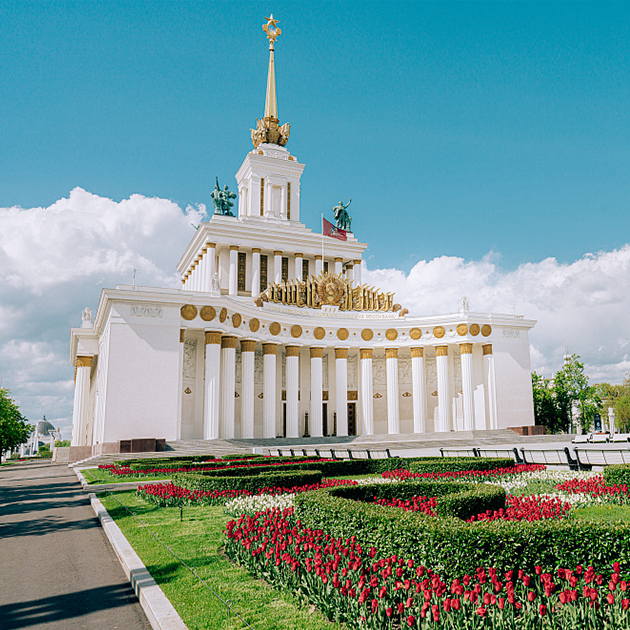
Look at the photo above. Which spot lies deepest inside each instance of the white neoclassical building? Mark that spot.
(273, 333)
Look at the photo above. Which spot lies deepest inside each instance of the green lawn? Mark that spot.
(198, 541)
(98, 475)
(608, 513)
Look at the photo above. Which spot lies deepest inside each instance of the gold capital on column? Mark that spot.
(277, 253)
(465, 348)
(255, 250)
(417, 352)
(293, 351)
(181, 335)
(487, 349)
(228, 342)
(247, 345)
(317, 353)
(269, 348)
(441, 351)
(213, 337)
(84, 361)
(391, 353)
(341, 353)
(338, 259)
(366, 353)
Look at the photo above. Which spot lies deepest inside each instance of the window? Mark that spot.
(263, 272)
(242, 265)
(304, 270)
(285, 268)
(325, 266)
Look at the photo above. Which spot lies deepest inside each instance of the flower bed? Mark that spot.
(596, 488)
(517, 508)
(403, 474)
(366, 589)
(169, 494)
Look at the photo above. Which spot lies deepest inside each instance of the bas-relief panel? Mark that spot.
(190, 355)
(352, 371)
(282, 357)
(258, 368)
(457, 373)
(325, 372)
(239, 368)
(378, 371)
(430, 369)
(404, 371)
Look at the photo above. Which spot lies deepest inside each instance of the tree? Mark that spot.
(617, 397)
(572, 392)
(14, 428)
(545, 411)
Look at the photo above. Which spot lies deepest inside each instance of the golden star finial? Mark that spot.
(272, 30)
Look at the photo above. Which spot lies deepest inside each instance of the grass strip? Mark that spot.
(198, 541)
(98, 475)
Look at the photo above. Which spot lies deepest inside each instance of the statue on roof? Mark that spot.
(344, 220)
(222, 199)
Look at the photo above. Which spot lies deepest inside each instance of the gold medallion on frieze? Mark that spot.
(439, 332)
(474, 329)
(223, 315)
(367, 334)
(342, 334)
(188, 311)
(274, 328)
(462, 330)
(207, 313)
(391, 334)
(486, 330)
(319, 333)
(296, 331)
(254, 324)
(415, 333)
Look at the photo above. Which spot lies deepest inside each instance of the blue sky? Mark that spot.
(457, 128)
(486, 147)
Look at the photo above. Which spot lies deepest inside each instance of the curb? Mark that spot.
(158, 609)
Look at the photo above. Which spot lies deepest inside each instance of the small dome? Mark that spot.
(45, 428)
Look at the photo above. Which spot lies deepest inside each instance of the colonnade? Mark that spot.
(199, 276)
(219, 410)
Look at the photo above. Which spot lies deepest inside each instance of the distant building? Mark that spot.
(44, 433)
(273, 333)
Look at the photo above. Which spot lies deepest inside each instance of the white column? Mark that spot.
(465, 355)
(283, 203)
(393, 405)
(319, 265)
(444, 400)
(367, 391)
(247, 388)
(212, 386)
(316, 421)
(341, 381)
(298, 266)
(338, 262)
(210, 265)
(81, 395)
(269, 390)
(350, 271)
(203, 269)
(233, 284)
(357, 272)
(255, 272)
(418, 390)
(293, 385)
(491, 388)
(277, 267)
(228, 374)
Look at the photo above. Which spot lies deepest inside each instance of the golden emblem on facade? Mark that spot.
(415, 333)
(207, 313)
(328, 289)
(274, 328)
(474, 329)
(223, 315)
(439, 332)
(486, 330)
(462, 330)
(236, 320)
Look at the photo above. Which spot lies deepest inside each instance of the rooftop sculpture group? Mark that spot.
(222, 199)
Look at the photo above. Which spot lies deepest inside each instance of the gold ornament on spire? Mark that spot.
(268, 130)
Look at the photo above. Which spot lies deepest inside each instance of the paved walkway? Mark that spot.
(57, 568)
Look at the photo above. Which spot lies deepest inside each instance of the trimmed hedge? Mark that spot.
(460, 500)
(453, 547)
(241, 456)
(617, 474)
(271, 479)
(459, 464)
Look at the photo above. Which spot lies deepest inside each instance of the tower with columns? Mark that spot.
(274, 334)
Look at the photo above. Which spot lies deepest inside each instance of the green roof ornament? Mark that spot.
(222, 199)
(344, 220)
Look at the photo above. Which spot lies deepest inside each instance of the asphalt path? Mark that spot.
(57, 568)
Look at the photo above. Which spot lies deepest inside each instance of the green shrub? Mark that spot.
(458, 464)
(252, 482)
(617, 474)
(460, 500)
(454, 547)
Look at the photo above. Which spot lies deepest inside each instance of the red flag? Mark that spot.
(328, 229)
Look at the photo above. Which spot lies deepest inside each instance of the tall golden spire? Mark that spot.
(271, 102)
(267, 130)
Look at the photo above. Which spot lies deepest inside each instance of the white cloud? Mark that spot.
(55, 260)
(583, 305)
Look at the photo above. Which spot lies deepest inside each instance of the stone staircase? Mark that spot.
(399, 442)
